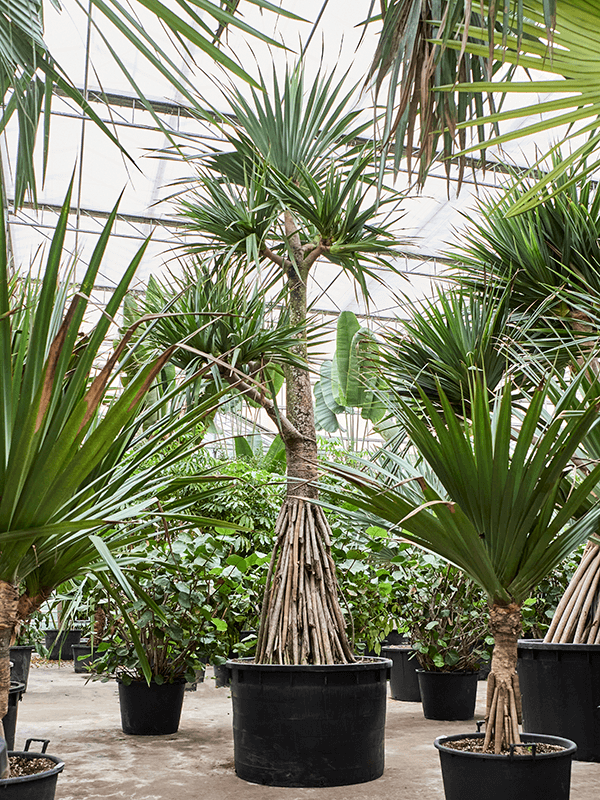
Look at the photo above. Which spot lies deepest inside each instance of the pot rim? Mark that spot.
(374, 662)
(139, 681)
(448, 671)
(540, 644)
(60, 765)
(568, 744)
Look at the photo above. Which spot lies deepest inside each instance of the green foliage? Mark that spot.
(193, 597)
(504, 515)
(29, 74)
(445, 342)
(444, 613)
(443, 79)
(352, 379)
(546, 259)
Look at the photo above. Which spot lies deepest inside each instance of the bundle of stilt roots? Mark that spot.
(577, 617)
(301, 620)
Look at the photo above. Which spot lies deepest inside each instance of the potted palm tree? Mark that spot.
(501, 512)
(290, 193)
(73, 467)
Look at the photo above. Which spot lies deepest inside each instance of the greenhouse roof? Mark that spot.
(428, 221)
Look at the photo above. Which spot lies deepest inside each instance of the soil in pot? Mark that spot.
(20, 655)
(150, 710)
(60, 645)
(524, 774)
(448, 695)
(309, 725)
(404, 683)
(30, 783)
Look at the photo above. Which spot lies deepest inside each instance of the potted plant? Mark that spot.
(444, 614)
(177, 621)
(73, 470)
(291, 191)
(503, 515)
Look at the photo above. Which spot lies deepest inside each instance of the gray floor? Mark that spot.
(83, 723)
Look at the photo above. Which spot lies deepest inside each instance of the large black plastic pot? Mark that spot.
(20, 655)
(60, 645)
(41, 786)
(309, 725)
(9, 721)
(448, 695)
(472, 776)
(404, 683)
(560, 684)
(150, 710)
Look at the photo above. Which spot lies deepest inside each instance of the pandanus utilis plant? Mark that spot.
(289, 198)
(504, 507)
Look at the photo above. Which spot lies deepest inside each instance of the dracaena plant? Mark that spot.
(501, 507)
(75, 463)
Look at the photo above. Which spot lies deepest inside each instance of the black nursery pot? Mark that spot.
(472, 776)
(41, 786)
(60, 645)
(309, 725)
(150, 710)
(82, 655)
(404, 683)
(9, 721)
(20, 655)
(560, 684)
(448, 695)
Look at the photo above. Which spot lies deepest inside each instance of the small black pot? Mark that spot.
(473, 776)
(9, 720)
(83, 655)
(309, 725)
(222, 675)
(153, 710)
(404, 683)
(32, 787)
(60, 646)
(20, 655)
(560, 684)
(448, 695)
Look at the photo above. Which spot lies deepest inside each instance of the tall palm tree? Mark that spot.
(291, 190)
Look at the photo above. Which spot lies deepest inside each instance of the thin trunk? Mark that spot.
(503, 707)
(301, 619)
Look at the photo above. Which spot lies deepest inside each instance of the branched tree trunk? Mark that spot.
(503, 708)
(577, 616)
(301, 619)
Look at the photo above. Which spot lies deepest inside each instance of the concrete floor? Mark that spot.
(83, 723)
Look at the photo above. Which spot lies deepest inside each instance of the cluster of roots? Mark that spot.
(301, 620)
(504, 714)
(577, 616)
